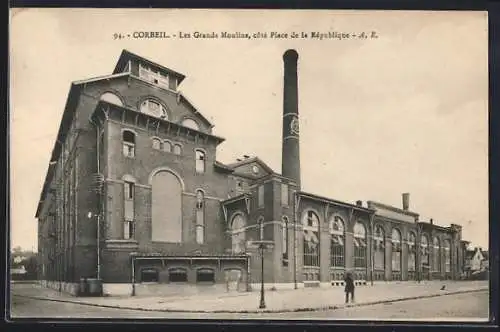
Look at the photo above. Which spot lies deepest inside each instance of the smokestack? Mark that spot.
(406, 201)
(431, 221)
(290, 164)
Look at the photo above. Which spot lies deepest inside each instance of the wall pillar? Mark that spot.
(388, 258)
(404, 259)
(324, 254)
(349, 250)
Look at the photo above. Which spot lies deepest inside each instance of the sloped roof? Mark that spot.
(251, 160)
(126, 55)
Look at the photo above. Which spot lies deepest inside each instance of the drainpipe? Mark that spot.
(133, 277)
(99, 200)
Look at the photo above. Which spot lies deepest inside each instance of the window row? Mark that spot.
(128, 139)
(203, 275)
(311, 250)
(166, 146)
(166, 209)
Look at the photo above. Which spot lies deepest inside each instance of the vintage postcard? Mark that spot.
(256, 164)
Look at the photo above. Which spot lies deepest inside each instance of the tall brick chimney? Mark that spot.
(290, 164)
(406, 201)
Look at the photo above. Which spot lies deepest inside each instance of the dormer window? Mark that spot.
(154, 76)
(153, 108)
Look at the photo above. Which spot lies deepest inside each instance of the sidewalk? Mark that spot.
(305, 299)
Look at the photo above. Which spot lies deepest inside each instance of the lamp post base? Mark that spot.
(262, 304)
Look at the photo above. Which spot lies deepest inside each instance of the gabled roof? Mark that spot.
(195, 109)
(392, 208)
(126, 55)
(251, 160)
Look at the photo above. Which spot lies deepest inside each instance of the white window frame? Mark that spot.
(200, 163)
(128, 229)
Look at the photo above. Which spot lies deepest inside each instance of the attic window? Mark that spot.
(154, 108)
(190, 123)
(154, 76)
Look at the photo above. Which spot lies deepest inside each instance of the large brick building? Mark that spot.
(134, 196)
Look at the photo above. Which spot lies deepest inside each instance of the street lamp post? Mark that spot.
(262, 301)
(262, 245)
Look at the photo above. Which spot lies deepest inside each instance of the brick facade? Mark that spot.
(85, 186)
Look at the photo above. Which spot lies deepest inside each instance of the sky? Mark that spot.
(404, 112)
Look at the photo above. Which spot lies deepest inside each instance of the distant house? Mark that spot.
(475, 260)
(485, 263)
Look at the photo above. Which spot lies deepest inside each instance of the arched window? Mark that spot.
(359, 245)
(128, 138)
(238, 237)
(337, 237)
(284, 237)
(166, 207)
(153, 108)
(167, 146)
(310, 223)
(200, 217)
(200, 161)
(447, 255)
(436, 255)
(156, 144)
(177, 275)
(424, 247)
(177, 149)
(190, 123)
(412, 252)
(111, 98)
(396, 251)
(379, 248)
(205, 275)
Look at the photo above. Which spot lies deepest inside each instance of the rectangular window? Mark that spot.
(284, 194)
(128, 150)
(200, 234)
(260, 196)
(129, 190)
(200, 162)
(128, 229)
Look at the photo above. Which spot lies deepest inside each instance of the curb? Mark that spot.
(323, 308)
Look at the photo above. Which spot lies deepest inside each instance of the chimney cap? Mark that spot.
(290, 55)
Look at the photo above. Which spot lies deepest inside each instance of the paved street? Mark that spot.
(466, 306)
(305, 299)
